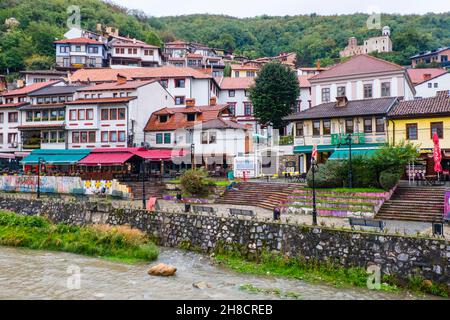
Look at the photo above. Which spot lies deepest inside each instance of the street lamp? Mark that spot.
(350, 173)
(314, 211)
(40, 162)
(192, 156)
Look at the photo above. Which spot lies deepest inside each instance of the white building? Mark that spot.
(113, 115)
(133, 53)
(428, 81)
(382, 43)
(36, 76)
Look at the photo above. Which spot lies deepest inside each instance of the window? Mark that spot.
(247, 108)
(73, 114)
(104, 136)
(83, 137)
(236, 74)
(367, 91)
(130, 51)
(148, 52)
(104, 114)
(61, 136)
(2, 117)
(349, 128)
(379, 122)
(64, 49)
(81, 114)
(247, 93)
(112, 136)
(91, 136)
(232, 108)
(430, 85)
(113, 114)
(231, 93)
(179, 100)
(12, 137)
(326, 95)
(299, 129)
(367, 125)
(250, 73)
(1, 138)
(63, 99)
(78, 48)
(190, 117)
(163, 118)
(411, 131)
(437, 127)
(167, 138)
(212, 137)
(164, 82)
(75, 137)
(179, 83)
(341, 91)
(13, 117)
(316, 128)
(385, 89)
(122, 137)
(45, 115)
(435, 84)
(61, 114)
(326, 127)
(89, 114)
(159, 138)
(134, 51)
(93, 49)
(53, 136)
(204, 137)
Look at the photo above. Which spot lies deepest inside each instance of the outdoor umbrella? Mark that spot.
(437, 156)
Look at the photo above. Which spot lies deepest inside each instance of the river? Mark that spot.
(29, 274)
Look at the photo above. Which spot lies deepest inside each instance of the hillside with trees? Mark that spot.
(27, 40)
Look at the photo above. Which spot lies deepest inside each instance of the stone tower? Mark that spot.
(386, 31)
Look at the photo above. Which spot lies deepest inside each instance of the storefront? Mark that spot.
(54, 162)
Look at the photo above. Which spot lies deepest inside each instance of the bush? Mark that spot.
(362, 172)
(195, 182)
(389, 178)
(327, 175)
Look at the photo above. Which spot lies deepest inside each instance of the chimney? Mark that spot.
(318, 63)
(190, 102)
(99, 27)
(426, 76)
(134, 40)
(341, 101)
(212, 101)
(121, 79)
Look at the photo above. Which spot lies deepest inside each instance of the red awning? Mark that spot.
(159, 154)
(105, 159)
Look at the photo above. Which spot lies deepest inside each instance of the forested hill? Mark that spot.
(30, 43)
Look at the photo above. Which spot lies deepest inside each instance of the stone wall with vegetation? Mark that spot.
(400, 256)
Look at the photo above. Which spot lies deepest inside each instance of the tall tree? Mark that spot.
(274, 94)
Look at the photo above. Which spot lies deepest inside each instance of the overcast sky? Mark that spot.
(250, 8)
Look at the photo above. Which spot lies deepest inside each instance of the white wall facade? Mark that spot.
(429, 88)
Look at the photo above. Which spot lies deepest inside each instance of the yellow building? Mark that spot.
(241, 70)
(417, 120)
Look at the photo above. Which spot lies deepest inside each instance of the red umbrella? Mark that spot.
(437, 156)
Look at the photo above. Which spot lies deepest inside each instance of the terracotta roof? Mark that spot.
(28, 89)
(130, 43)
(194, 55)
(313, 68)
(431, 52)
(241, 67)
(304, 81)
(101, 100)
(358, 64)
(48, 72)
(79, 41)
(116, 86)
(227, 83)
(177, 119)
(419, 75)
(422, 107)
(353, 108)
(220, 123)
(109, 75)
(176, 59)
(12, 105)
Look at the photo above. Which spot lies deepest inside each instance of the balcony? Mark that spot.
(338, 138)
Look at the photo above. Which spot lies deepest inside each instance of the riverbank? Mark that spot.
(314, 272)
(111, 242)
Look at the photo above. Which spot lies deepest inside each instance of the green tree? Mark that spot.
(38, 62)
(274, 94)
(152, 38)
(15, 47)
(227, 71)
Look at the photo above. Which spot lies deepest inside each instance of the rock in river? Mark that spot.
(201, 285)
(162, 269)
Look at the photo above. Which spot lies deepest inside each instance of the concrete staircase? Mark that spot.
(425, 204)
(152, 189)
(263, 195)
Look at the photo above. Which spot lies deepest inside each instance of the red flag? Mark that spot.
(314, 154)
(437, 156)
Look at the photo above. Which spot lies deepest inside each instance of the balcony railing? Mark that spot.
(337, 138)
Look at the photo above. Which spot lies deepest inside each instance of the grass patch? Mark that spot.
(348, 190)
(275, 292)
(217, 183)
(119, 243)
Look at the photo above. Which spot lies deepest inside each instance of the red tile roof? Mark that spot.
(358, 64)
(304, 81)
(108, 75)
(242, 67)
(194, 55)
(421, 75)
(116, 86)
(227, 83)
(220, 123)
(177, 118)
(28, 89)
(12, 105)
(79, 41)
(101, 100)
(426, 107)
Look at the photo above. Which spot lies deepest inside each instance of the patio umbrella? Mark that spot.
(437, 156)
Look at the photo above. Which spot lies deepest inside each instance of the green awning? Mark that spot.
(56, 157)
(332, 147)
(302, 149)
(342, 154)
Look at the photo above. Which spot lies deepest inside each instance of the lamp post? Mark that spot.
(350, 173)
(40, 162)
(144, 201)
(192, 156)
(313, 168)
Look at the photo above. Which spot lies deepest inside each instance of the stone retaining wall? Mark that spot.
(397, 255)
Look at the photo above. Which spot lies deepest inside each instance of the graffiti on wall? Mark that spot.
(67, 185)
